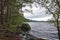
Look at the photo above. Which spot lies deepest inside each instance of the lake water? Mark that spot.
(44, 30)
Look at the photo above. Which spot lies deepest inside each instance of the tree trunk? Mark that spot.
(57, 25)
(3, 25)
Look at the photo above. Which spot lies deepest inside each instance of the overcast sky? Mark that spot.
(38, 13)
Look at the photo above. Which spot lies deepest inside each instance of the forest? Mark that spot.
(15, 26)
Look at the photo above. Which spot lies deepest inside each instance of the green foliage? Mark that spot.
(57, 11)
(57, 14)
(15, 17)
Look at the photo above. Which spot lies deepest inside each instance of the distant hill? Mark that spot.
(35, 20)
(31, 20)
(39, 21)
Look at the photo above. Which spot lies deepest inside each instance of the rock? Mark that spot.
(25, 27)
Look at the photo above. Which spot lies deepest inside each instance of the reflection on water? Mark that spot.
(44, 30)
